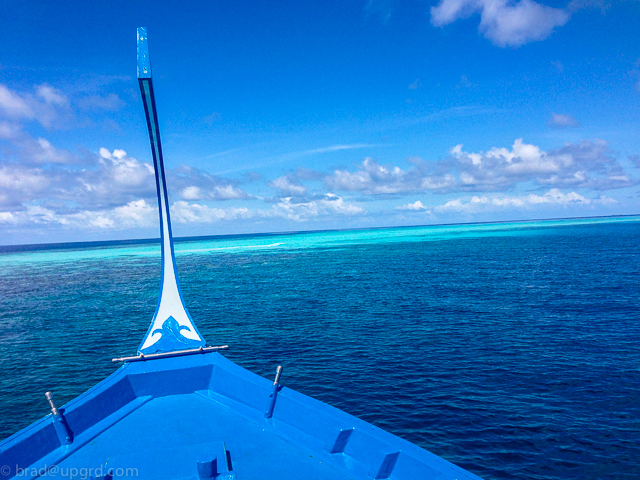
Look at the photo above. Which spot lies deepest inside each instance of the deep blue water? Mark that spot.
(512, 350)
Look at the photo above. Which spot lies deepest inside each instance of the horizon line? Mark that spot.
(14, 248)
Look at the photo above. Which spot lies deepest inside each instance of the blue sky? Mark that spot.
(280, 116)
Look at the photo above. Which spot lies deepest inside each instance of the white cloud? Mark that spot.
(27, 150)
(19, 184)
(485, 203)
(503, 22)
(6, 217)
(14, 105)
(587, 164)
(52, 96)
(136, 213)
(101, 222)
(119, 177)
(40, 174)
(289, 186)
(48, 106)
(330, 204)
(9, 130)
(196, 184)
(111, 102)
(562, 121)
(184, 212)
(417, 206)
(191, 193)
(39, 214)
(226, 192)
(372, 178)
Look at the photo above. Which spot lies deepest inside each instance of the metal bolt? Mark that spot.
(278, 373)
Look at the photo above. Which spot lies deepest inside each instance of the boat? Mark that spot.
(179, 409)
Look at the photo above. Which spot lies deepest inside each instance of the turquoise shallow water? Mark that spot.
(511, 349)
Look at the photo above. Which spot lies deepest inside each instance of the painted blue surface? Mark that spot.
(144, 61)
(172, 327)
(183, 417)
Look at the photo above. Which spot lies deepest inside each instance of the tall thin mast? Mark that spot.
(172, 327)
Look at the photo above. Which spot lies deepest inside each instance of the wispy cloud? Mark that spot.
(46, 105)
(562, 121)
(415, 85)
(333, 148)
(220, 154)
(380, 8)
(111, 102)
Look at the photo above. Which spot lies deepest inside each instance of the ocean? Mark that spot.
(510, 349)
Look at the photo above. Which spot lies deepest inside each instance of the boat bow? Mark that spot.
(172, 327)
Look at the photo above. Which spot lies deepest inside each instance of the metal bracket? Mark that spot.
(271, 403)
(65, 436)
(179, 353)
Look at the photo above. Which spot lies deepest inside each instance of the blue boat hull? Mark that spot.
(202, 416)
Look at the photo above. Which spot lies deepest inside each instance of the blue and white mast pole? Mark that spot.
(172, 328)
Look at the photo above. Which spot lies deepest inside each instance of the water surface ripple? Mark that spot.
(511, 350)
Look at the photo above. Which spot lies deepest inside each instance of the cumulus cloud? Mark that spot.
(416, 206)
(373, 178)
(485, 203)
(111, 179)
(505, 23)
(195, 184)
(141, 214)
(43, 175)
(26, 150)
(226, 192)
(135, 214)
(19, 184)
(562, 121)
(329, 204)
(289, 186)
(118, 178)
(184, 212)
(7, 217)
(587, 164)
